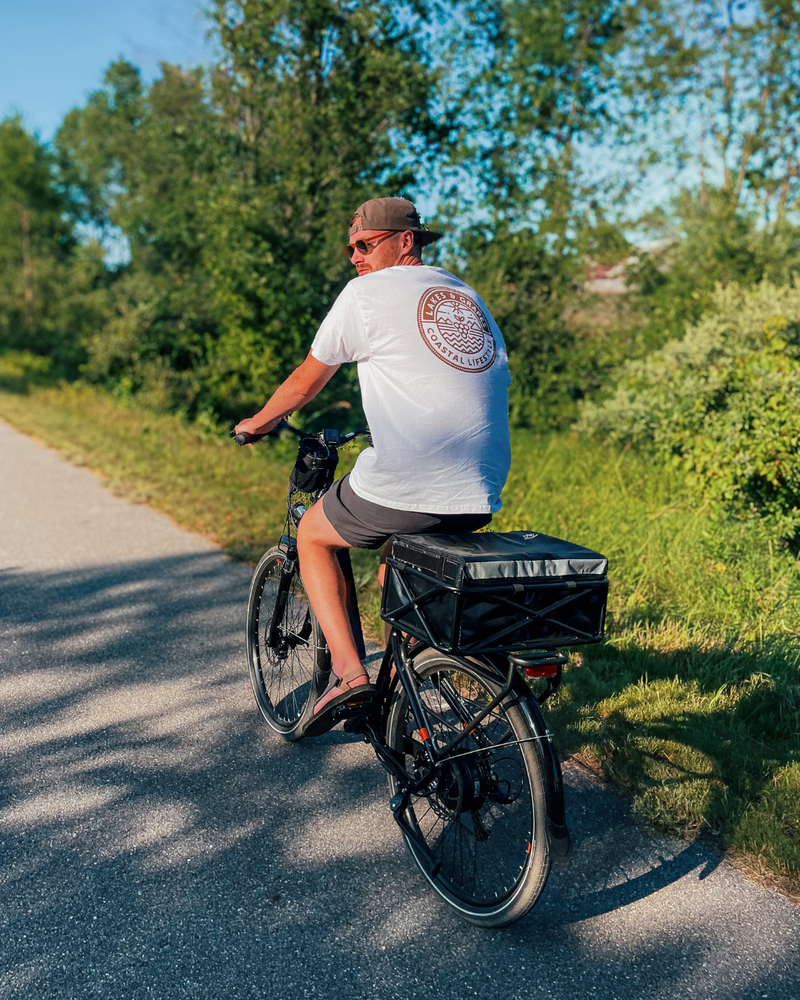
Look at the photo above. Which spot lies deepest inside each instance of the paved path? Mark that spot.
(157, 841)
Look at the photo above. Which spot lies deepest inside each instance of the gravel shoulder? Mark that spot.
(156, 840)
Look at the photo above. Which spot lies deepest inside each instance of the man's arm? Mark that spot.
(301, 386)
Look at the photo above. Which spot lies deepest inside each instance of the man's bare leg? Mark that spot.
(317, 544)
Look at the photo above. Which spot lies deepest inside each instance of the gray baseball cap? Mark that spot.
(390, 213)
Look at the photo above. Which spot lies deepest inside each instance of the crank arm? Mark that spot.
(389, 761)
(387, 757)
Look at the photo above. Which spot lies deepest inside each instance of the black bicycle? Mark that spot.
(474, 779)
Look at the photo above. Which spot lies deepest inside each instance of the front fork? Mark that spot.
(288, 569)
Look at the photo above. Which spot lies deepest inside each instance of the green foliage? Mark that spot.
(52, 292)
(769, 830)
(709, 89)
(704, 103)
(539, 81)
(702, 242)
(723, 403)
(538, 78)
(232, 187)
(703, 739)
(22, 370)
(526, 283)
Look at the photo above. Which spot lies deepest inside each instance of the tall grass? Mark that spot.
(692, 704)
(693, 701)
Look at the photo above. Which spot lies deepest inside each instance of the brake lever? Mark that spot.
(282, 425)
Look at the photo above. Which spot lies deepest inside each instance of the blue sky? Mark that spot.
(53, 53)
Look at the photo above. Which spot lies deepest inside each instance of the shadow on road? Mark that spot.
(159, 841)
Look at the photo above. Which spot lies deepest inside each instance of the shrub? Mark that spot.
(724, 404)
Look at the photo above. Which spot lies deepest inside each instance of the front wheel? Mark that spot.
(482, 816)
(285, 645)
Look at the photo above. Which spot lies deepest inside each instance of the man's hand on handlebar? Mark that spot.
(248, 432)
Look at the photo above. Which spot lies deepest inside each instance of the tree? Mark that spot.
(31, 224)
(705, 101)
(534, 80)
(524, 283)
(712, 87)
(701, 243)
(145, 160)
(235, 191)
(47, 282)
(723, 403)
(539, 88)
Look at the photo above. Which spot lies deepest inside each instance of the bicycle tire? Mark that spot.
(283, 675)
(483, 818)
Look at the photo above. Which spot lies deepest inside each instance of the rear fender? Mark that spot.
(557, 832)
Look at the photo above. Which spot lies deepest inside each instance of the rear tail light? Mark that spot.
(542, 670)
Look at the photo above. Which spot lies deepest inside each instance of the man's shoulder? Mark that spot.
(404, 278)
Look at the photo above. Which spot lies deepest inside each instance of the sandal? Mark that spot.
(323, 720)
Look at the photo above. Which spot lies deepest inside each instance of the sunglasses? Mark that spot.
(365, 247)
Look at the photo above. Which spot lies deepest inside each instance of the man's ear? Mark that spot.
(409, 244)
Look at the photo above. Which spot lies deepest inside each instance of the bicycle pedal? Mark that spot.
(355, 723)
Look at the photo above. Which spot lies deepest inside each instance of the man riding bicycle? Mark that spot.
(433, 373)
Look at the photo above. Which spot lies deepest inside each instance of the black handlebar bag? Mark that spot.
(495, 592)
(315, 468)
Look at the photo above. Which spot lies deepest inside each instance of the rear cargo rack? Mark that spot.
(485, 614)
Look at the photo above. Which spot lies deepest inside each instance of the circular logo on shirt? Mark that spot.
(456, 329)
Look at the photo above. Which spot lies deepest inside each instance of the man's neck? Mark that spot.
(408, 260)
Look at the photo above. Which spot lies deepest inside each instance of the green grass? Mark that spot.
(692, 705)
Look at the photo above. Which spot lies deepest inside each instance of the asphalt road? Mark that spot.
(156, 840)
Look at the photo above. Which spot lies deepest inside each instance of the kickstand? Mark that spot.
(398, 804)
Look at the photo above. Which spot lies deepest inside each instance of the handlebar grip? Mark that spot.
(243, 437)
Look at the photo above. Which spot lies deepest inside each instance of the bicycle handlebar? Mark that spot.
(330, 437)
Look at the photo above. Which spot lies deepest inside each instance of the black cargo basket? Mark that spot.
(495, 592)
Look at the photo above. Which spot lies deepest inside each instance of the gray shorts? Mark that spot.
(366, 525)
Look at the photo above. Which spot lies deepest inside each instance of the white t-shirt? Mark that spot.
(434, 382)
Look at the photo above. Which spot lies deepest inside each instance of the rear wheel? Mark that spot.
(282, 670)
(482, 815)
